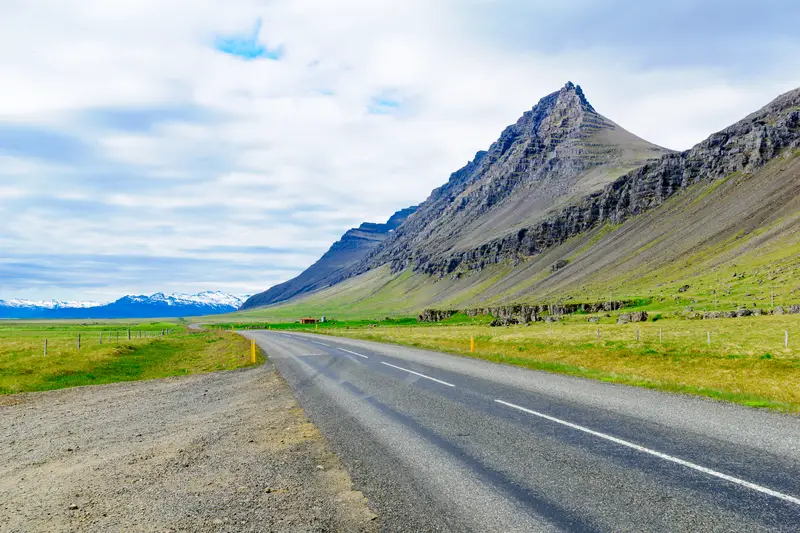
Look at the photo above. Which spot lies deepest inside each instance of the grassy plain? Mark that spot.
(24, 367)
(747, 361)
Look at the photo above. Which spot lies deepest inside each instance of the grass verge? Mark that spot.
(147, 355)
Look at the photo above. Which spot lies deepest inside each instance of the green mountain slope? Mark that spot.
(722, 218)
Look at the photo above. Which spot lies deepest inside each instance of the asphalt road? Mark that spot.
(444, 443)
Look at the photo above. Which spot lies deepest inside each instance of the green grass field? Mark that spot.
(24, 367)
(746, 362)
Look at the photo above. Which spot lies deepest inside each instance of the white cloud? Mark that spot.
(287, 154)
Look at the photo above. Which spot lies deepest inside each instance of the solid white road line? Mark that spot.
(354, 353)
(660, 455)
(321, 343)
(418, 374)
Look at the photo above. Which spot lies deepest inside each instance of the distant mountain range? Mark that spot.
(158, 305)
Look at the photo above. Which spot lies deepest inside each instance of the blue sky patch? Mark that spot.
(247, 47)
(383, 104)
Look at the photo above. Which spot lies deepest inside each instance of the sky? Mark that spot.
(190, 145)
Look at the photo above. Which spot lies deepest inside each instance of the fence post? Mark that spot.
(660, 336)
(101, 337)
(118, 336)
(785, 339)
(637, 335)
(45, 347)
(598, 333)
(129, 333)
(79, 341)
(708, 335)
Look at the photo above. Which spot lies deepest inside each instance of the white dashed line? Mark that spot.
(354, 353)
(418, 374)
(660, 455)
(321, 343)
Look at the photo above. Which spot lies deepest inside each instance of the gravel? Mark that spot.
(230, 451)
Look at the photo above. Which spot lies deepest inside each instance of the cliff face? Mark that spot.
(556, 153)
(433, 242)
(332, 267)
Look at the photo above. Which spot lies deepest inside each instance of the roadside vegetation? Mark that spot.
(155, 350)
(746, 362)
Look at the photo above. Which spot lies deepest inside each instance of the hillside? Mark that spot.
(332, 266)
(721, 218)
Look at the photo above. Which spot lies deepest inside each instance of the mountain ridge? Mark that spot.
(157, 305)
(727, 193)
(332, 267)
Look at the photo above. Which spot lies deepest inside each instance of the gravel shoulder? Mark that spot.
(229, 451)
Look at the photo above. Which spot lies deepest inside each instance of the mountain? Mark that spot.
(527, 222)
(332, 267)
(158, 305)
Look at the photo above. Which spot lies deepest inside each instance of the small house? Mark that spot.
(308, 320)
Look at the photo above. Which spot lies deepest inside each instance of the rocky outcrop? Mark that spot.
(333, 267)
(436, 315)
(525, 313)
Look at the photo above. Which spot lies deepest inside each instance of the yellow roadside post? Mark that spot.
(472, 344)
(252, 350)
(232, 329)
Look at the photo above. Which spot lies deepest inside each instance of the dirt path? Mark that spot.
(230, 451)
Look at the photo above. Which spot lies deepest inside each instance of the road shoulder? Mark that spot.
(228, 451)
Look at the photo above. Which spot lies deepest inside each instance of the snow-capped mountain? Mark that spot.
(158, 305)
(49, 304)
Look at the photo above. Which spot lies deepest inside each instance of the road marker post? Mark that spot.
(252, 350)
(472, 344)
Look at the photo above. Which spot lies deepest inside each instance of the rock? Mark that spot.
(639, 316)
(684, 288)
(74, 507)
(743, 312)
(794, 309)
(436, 315)
(558, 265)
(320, 467)
(779, 310)
(594, 319)
(623, 318)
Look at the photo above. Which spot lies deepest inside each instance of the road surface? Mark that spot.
(444, 443)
